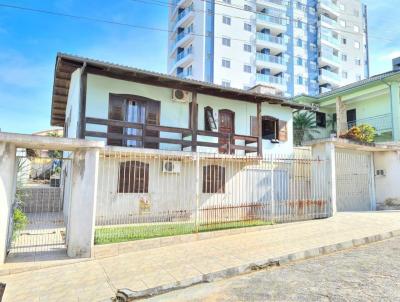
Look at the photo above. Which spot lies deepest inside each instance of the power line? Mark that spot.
(290, 19)
(110, 22)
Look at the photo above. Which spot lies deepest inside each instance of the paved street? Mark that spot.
(368, 273)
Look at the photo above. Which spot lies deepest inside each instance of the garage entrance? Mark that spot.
(354, 180)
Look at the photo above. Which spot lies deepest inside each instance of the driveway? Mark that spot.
(368, 273)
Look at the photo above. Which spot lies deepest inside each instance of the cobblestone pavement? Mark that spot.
(367, 273)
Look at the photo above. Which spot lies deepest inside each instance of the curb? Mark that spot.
(126, 295)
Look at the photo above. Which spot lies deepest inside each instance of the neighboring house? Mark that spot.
(296, 47)
(374, 101)
(130, 107)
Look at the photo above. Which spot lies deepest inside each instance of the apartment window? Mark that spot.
(190, 49)
(190, 28)
(300, 80)
(226, 20)
(213, 179)
(299, 42)
(357, 44)
(344, 58)
(344, 74)
(247, 47)
(344, 41)
(247, 68)
(320, 118)
(299, 24)
(189, 70)
(357, 61)
(227, 1)
(226, 63)
(226, 41)
(133, 177)
(247, 27)
(299, 61)
(209, 120)
(356, 28)
(226, 83)
(248, 8)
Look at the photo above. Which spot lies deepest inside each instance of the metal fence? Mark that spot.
(37, 224)
(148, 193)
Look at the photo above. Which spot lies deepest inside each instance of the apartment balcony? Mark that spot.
(183, 59)
(182, 39)
(270, 80)
(328, 22)
(327, 58)
(279, 4)
(276, 25)
(271, 42)
(275, 63)
(179, 4)
(329, 77)
(330, 41)
(328, 7)
(184, 18)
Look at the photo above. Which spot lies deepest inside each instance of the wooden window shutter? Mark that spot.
(253, 126)
(116, 111)
(133, 177)
(152, 118)
(283, 136)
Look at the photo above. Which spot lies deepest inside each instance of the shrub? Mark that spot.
(20, 221)
(362, 133)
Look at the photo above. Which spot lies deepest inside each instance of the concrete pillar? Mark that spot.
(82, 209)
(7, 193)
(395, 107)
(326, 151)
(341, 117)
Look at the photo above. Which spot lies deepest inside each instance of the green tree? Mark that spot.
(305, 127)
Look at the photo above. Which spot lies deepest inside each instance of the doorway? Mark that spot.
(226, 125)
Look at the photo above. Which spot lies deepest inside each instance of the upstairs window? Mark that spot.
(213, 179)
(209, 121)
(320, 119)
(247, 27)
(226, 63)
(226, 41)
(226, 20)
(271, 128)
(133, 177)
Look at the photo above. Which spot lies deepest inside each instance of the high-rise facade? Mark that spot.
(294, 47)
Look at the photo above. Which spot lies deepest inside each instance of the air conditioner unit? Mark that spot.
(179, 95)
(171, 166)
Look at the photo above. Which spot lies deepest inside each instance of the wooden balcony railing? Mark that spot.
(227, 143)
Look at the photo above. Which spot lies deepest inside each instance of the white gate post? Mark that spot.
(332, 190)
(82, 211)
(7, 193)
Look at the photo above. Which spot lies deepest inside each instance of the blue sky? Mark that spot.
(29, 43)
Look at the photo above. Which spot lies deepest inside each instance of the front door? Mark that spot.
(351, 118)
(226, 125)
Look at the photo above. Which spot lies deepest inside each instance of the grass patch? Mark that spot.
(117, 234)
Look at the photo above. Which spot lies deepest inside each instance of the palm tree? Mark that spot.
(304, 127)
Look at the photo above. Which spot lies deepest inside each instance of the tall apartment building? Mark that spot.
(304, 46)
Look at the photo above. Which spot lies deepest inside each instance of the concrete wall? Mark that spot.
(176, 114)
(387, 186)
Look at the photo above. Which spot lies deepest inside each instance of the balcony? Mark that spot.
(271, 42)
(381, 123)
(179, 4)
(183, 59)
(325, 20)
(184, 18)
(328, 58)
(183, 137)
(279, 4)
(274, 63)
(329, 77)
(328, 7)
(275, 24)
(330, 41)
(273, 81)
(181, 40)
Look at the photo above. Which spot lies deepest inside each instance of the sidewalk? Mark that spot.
(188, 263)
